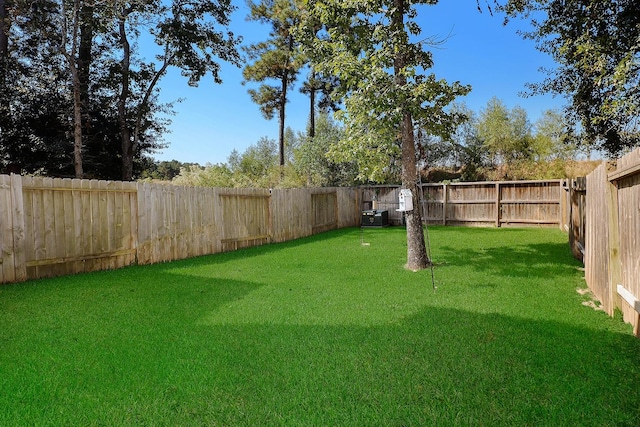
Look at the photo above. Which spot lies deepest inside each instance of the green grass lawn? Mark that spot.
(323, 331)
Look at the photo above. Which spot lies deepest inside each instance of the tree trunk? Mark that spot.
(283, 103)
(71, 58)
(77, 125)
(417, 258)
(125, 133)
(84, 62)
(5, 112)
(312, 106)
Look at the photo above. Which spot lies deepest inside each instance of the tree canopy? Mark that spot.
(596, 46)
(81, 61)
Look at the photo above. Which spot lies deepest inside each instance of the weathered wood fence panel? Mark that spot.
(245, 219)
(175, 222)
(574, 214)
(73, 226)
(510, 203)
(349, 206)
(629, 228)
(596, 259)
(291, 209)
(52, 227)
(612, 248)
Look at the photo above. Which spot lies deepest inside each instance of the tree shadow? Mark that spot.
(531, 260)
(437, 367)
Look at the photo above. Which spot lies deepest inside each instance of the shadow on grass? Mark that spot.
(439, 367)
(148, 346)
(532, 260)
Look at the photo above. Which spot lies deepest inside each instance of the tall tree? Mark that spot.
(71, 22)
(369, 47)
(5, 112)
(596, 45)
(188, 36)
(318, 84)
(273, 59)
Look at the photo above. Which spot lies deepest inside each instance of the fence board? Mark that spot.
(7, 259)
(597, 236)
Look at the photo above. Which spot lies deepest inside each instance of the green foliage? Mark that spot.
(256, 167)
(367, 47)
(552, 139)
(501, 144)
(217, 175)
(595, 46)
(312, 161)
(165, 170)
(323, 331)
(506, 133)
(256, 161)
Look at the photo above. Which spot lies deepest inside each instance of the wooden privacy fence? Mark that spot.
(612, 244)
(51, 227)
(506, 203)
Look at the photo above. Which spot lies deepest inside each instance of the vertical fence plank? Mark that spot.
(56, 211)
(68, 222)
(498, 205)
(597, 235)
(18, 226)
(7, 262)
(615, 267)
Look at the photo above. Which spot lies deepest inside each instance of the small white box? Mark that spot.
(406, 200)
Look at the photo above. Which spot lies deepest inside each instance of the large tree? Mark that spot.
(35, 133)
(371, 47)
(273, 59)
(596, 45)
(71, 21)
(188, 35)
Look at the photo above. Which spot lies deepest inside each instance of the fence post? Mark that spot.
(445, 191)
(498, 204)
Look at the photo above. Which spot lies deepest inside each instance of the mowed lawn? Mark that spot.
(324, 331)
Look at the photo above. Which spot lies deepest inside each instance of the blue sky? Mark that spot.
(212, 120)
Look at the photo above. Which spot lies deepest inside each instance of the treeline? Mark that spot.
(496, 143)
(78, 98)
